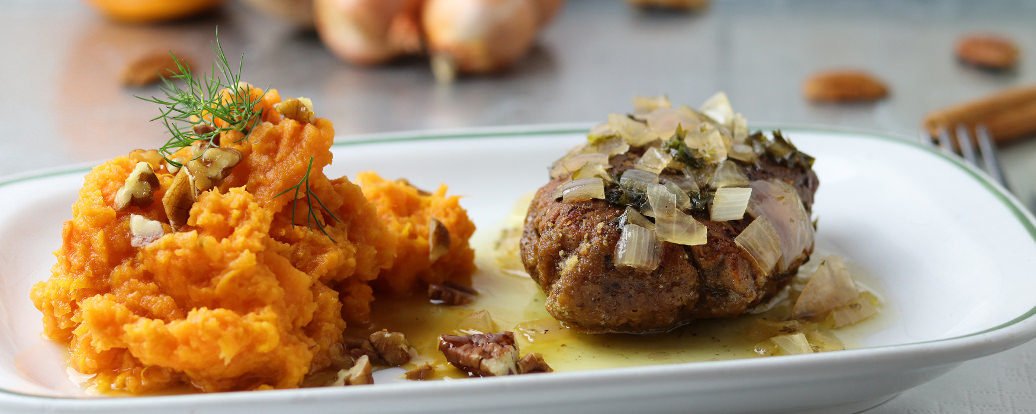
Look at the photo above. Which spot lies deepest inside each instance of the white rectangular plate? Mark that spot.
(954, 255)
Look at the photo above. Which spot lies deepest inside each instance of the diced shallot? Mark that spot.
(718, 108)
(632, 216)
(582, 189)
(857, 311)
(663, 122)
(793, 344)
(729, 174)
(760, 240)
(729, 203)
(830, 287)
(646, 104)
(653, 161)
(671, 224)
(635, 133)
(573, 162)
(638, 180)
(779, 202)
(638, 248)
(612, 145)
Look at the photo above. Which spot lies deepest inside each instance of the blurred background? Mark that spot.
(71, 70)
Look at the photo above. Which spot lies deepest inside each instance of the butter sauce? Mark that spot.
(515, 303)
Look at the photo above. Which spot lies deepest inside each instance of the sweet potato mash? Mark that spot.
(254, 289)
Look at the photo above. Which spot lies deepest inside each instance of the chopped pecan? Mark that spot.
(450, 294)
(299, 109)
(533, 364)
(144, 231)
(213, 165)
(179, 199)
(392, 347)
(420, 373)
(340, 358)
(484, 355)
(438, 239)
(138, 188)
(357, 348)
(360, 373)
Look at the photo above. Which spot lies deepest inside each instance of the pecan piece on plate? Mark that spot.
(533, 364)
(359, 374)
(484, 355)
(392, 347)
(450, 294)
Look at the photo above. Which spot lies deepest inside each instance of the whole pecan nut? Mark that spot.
(844, 86)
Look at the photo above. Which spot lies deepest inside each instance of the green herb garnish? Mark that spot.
(783, 150)
(186, 107)
(677, 147)
(622, 196)
(311, 217)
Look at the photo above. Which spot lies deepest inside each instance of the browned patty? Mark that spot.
(567, 249)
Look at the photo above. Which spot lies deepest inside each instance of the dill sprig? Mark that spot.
(311, 216)
(185, 107)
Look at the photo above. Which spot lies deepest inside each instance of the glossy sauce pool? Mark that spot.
(516, 304)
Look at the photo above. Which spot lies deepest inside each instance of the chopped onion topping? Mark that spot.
(729, 203)
(600, 132)
(613, 145)
(830, 287)
(728, 174)
(646, 104)
(682, 199)
(582, 189)
(573, 162)
(671, 224)
(662, 201)
(631, 216)
(739, 129)
(638, 248)
(708, 141)
(742, 152)
(681, 229)
(779, 202)
(639, 180)
(653, 161)
(858, 310)
(635, 133)
(760, 240)
(718, 108)
(664, 122)
(684, 182)
(793, 344)
(592, 170)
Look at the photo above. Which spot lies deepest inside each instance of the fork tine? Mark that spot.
(967, 146)
(989, 155)
(943, 137)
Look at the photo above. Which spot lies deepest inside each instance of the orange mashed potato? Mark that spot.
(240, 297)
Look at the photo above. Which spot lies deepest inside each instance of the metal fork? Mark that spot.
(983, 155)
